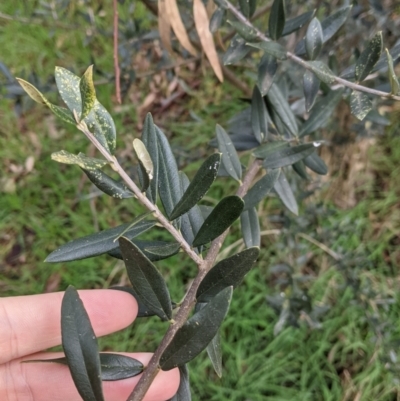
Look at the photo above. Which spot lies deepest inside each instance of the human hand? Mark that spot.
(31, 324)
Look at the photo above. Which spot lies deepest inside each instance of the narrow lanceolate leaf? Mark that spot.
(277, 19)
(113, 366)
(108, 185)
(193, 220)
(296, 23)
(310, 87)
(227, 272)
(282, 109)
(394, 82)
(248, 7)
(260, 189)
(164, 26)
(321, 112)
(250, 227)
(300, 169)
(285, 193)
(87, 163)
(216, 20)
(259, 115)
(183, 393)
(146, 280)
(88, 93)
(322, 71)
(246, 32)
(38, 97)
(230, 159)
(199, 186)
(314, 39)
(144, 157)
(133, 223)
(96, 244)
(360, 104)
(267, 149)
(80, 347)
(330, 26)
(168, 176)
(197, 332)
(163, 251)
(99, 121)
(369, 57)
(175, 19)
(272, 48)
(266, 73)
(286, 156)
(149, 138)
(207, 42)
(237, 50)
(221, 218)
(316, 164)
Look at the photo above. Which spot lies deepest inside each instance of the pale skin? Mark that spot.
(31, 324)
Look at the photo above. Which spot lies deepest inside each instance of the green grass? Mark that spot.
(347, 358)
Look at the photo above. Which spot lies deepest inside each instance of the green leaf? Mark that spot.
(330, 26)
(144, 158)
(108, 185)
(193, 220)
(183, 393)
(244, 31)
(269, 148)
(220, 219)
(321, 112)
(226, 273)
(80, 347)
(316, 164)
(38, 97)
(99, 121)
(168, 176)
(277, 19)
(322, 71)
(84, 162)
(250, 227)
(133, 223)
(271, 48)
(146, 280)
(149, 139)
(230, 159)
(282, 109)
(261, 189)
(237, 50)
(88, 93)
(360, 104)
(197, 332)
(300, 169)
(159, 250)
(285, 193)
(216, 20)
(113, 366)
(288, 155)
(259, 115)
(96, 244)
(310, 87)
(266, 73)
(314, 39)
(248, 7)
(199, 186)
(394, 83)
(296, 23)
(369, 57)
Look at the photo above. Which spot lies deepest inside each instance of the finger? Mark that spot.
(31, 323)
(53, 382)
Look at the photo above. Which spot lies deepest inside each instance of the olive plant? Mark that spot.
(279, 141)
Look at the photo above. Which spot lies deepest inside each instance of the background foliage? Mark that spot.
(336, 265)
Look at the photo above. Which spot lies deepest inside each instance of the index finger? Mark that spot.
(31, 323)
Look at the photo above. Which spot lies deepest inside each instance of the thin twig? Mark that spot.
(116, 63)
(303, 63)
(329, 251)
